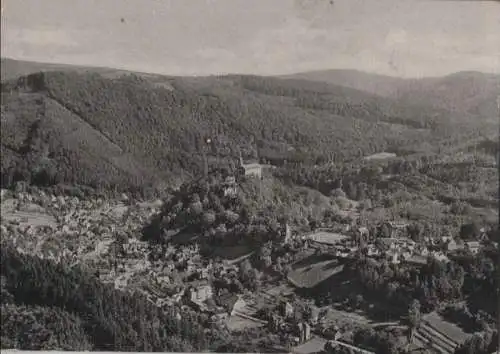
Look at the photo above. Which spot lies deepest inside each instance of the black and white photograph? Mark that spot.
(250, 176)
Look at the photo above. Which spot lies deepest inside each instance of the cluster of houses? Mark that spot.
(397, 248)
(283, 321)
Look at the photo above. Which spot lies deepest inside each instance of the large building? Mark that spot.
(251, 169)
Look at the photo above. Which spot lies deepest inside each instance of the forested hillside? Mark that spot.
(49, 306)
(246, 215)
(137, 132)
(471, 92)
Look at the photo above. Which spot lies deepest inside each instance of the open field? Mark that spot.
(285, 289)
(238, 323)
(30, 215)
(327, 237)
(314, 345)
(381, 156)
(233, 253)
(439, 334)
(448, 329)
(339, 317)
(311, 275)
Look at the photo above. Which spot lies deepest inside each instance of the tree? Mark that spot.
(385, 231)
(121, 239)
(230, 216)
(313, 224)
(196, 208)
(249, 276)
(208, 218)
(5, 295)
(358, 300)
(470, 231)
(473, 345)
(42, 328)
(264, 256)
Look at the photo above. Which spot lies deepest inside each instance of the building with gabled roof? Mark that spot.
(473, 246)
(250, 169)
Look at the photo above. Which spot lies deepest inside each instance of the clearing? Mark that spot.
(314, 345)
(29, 215)
(381, 156)
(313, 270)
(329, 238)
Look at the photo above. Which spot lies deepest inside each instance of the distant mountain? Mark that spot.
(113, 129)
(470, 92)
(382, 85)
(13, 69)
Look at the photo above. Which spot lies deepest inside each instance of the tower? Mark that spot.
(241, 158)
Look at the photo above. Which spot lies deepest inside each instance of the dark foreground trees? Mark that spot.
(53, 307)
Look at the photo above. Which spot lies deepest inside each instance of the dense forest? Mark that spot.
(140, 133)
(107, 132)
(49, 306)
(249, 213)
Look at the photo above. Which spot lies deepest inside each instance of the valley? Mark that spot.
(242, 213)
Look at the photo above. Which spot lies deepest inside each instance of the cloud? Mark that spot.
(395, 37)
(407, 38)
(42, 37)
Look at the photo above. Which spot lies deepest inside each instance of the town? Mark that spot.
(234, 176)
(287, 301)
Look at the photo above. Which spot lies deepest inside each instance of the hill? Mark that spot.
(53, 299)
(381, 85)
(127, 131)
(14, 69)
(242, 216)
(471, 92)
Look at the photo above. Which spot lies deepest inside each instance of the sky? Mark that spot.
(405, 38)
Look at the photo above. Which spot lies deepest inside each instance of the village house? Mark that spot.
(451, 245)
(227, 302)
(387, 243)
(440, 256)
(287, 309)
(199, 294)
(304, 332)
(190, 266)
(275, 323)
(473, 246)
(397, 229)
(416, 260)
(421, 250)
(203, 273)
(372, 251)
(230, 187)
(286, 233)
(393, 256)
(364, 232)
(314, 315)
(406, 254)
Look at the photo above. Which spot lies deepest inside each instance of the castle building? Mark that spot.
(251, 169)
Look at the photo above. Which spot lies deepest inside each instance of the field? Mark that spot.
(30, 215)
(327, 237)
(380, 156)
(239, 323)
(233, 253)
(341, 318)
(439, 334)
(316, 344)
(310, 272)
(448, 329)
